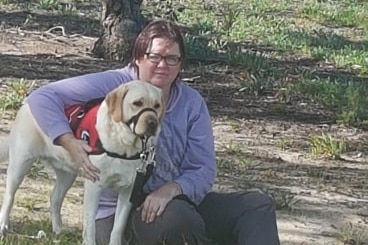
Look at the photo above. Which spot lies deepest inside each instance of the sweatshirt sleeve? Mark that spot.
(198, 169)
(48, 103)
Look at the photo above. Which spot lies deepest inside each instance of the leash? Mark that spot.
(144, 171)
(147, 155)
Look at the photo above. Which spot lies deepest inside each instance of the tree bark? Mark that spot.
(121, 22)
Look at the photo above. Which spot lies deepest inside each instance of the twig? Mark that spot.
(40, 234)
(54, 28)
(20, 31)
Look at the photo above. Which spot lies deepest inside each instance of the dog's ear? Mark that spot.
(114, 102)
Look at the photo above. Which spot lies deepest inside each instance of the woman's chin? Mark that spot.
(160, 83)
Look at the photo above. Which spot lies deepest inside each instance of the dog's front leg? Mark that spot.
(92, 193)
(123, 209)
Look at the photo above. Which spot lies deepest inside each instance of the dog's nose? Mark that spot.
(152, 124)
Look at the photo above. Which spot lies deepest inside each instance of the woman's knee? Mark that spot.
(259, 201)
(179, 222)
(103, 230)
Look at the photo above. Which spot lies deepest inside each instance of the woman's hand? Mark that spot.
(156, 202)
(78, 150)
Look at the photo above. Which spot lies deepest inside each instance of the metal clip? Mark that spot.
(81, 115)
(147, 157)
(153, 154)
(143, 156)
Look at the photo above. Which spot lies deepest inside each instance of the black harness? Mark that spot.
(134, 119)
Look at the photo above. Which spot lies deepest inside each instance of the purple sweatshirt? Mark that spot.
(185, 149)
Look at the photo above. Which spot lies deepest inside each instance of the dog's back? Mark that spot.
(25, 144)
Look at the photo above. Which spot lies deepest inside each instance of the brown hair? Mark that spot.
(159, 28)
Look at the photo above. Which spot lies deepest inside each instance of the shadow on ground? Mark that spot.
(221, 93)
(221, 89)
(277, 174)
(325, 195)
(31, 21)
(51, 67)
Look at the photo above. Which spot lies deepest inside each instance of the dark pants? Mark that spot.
(243, 218)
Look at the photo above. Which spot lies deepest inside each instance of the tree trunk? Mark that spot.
(121, 22)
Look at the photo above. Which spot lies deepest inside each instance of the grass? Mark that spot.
(345, 99)
(30, 232)
(327, 34)
(15, 92)
(332, 34)
(284, 143)
(60, 7)
(352, 234)
(326, 146)
(284, 200)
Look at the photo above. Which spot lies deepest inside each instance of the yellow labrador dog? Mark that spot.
(126, 121)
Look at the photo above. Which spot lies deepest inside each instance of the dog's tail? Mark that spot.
(4, 150)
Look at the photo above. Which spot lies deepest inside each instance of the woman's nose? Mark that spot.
(162, 63)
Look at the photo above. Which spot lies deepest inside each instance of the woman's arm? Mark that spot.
(198, 169)
(48, 105)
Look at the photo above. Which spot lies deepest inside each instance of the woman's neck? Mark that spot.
(166, 93)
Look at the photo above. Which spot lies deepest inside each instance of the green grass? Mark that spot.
(350, 13)
(16, 91)
(352, 234)
(331, 34)
(327, 146)
(346, 99)
(60, 7)
(26, 230)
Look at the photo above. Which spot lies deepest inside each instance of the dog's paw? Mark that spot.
(57, 228)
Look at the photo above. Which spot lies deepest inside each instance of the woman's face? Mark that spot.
(161, 64)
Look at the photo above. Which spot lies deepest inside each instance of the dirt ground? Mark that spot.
(261, 142)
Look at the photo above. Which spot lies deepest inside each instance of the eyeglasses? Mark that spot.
(171, 60)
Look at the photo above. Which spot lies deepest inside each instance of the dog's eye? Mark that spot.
(138, 103)
(156, 106)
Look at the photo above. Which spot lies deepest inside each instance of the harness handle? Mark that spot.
(143, 173)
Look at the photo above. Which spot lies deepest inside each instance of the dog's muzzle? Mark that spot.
(151, 122)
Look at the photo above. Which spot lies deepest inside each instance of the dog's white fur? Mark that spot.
(27, 142)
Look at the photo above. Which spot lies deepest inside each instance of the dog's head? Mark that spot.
(139, 105)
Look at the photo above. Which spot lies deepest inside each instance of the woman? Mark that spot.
(185, 154)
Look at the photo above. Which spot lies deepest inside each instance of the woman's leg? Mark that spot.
(244, 218)
(103, 230)
(179, 224)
